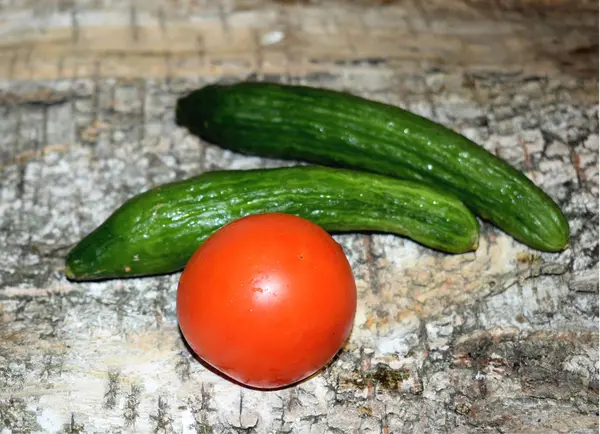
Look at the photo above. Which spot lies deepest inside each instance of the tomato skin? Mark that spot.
(268, 300)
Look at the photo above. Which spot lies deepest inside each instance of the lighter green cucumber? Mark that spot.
(157, 231)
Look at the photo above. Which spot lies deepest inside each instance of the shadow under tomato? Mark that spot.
(221, 374)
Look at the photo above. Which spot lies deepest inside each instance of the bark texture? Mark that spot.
(501, 340)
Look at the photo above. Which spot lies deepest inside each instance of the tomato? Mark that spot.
(268, 300)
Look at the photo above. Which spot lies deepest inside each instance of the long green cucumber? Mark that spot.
(158, 231)
(335, 128)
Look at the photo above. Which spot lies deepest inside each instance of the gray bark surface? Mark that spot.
(503, 340)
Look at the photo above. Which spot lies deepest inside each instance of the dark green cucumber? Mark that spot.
(158, 231)
(334, 128)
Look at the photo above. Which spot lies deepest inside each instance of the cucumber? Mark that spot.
(339, 129)
(157, 231)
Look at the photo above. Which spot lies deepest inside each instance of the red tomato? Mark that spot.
(268, 300)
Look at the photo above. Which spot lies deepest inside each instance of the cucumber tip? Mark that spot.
(69, 273)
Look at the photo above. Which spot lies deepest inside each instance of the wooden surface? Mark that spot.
(501, 340)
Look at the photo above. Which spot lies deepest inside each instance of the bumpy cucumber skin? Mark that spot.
(157, 231)
(334, 128)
